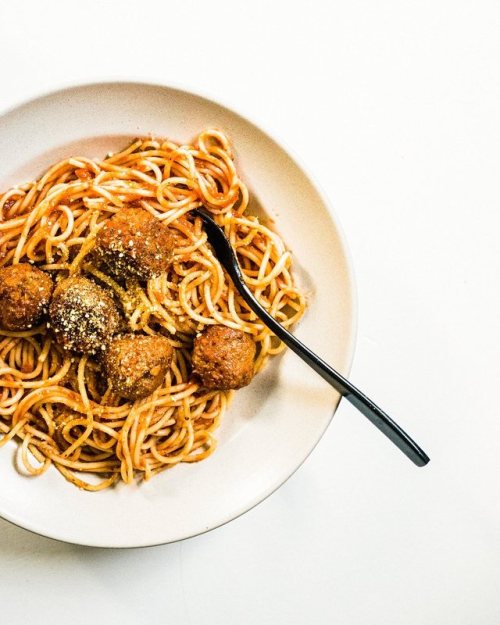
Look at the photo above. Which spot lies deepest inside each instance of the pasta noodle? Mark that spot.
(52, 223)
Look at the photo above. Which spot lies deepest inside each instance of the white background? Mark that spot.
(395, 106)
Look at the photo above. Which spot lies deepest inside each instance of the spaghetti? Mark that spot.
(52, 223)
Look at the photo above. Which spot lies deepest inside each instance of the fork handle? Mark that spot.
(369, 409)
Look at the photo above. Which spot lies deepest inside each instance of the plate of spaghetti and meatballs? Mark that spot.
(141, 400)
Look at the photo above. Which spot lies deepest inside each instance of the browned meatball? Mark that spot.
(134, 244)
(24, 296)
(223, 358)
(136, 365)
(82, 315)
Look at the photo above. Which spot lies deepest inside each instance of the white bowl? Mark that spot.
(273, 424)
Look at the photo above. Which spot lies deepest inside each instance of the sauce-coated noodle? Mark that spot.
(53, 222)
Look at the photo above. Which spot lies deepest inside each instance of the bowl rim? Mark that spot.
(65, 86)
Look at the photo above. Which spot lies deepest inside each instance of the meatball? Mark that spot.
(134, 244)
(223, 358)
(136, 365)
(24, 295)
(83, 316)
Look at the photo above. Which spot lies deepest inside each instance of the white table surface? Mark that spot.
(395, 106)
